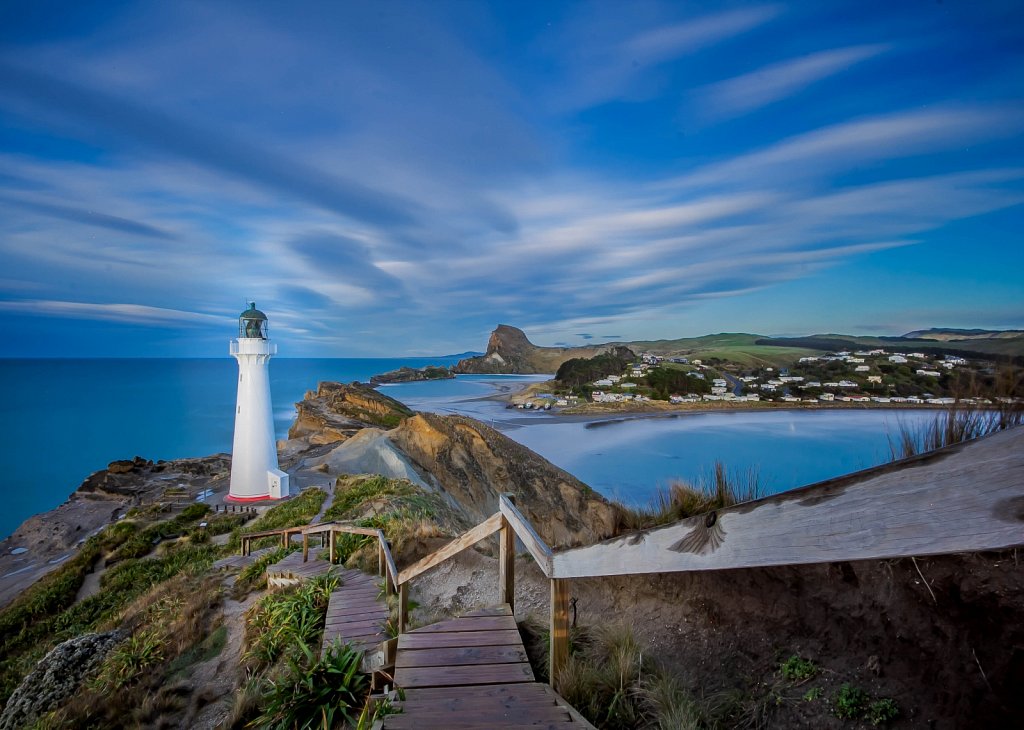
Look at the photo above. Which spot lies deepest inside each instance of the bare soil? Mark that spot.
(952, 661)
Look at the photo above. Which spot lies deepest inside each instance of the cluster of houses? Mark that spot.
(784, 386)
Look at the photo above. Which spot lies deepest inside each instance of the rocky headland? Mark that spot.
(510, 351)
(412, 375)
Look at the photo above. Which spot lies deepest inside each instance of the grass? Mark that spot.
(952, 426)
(281, 620)
(297, 510)
(681, 500)
(47, 613)
(612, 681)
(255, 575)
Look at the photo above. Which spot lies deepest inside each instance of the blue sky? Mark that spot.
(396, 178)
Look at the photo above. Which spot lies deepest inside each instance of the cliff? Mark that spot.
(412, 375)
(473, 464)
(336, 412)
(509, 351)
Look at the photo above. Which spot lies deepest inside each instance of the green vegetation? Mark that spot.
(397, 506)
(882, 711)
(282, 620)
(579, 371)
(46, 613)
(315, 692)
(167, 631)
(813, 694)
(683, 500)
(850, 702)
(798, 669)
(298, 510)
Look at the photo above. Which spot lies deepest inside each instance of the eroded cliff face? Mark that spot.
(510, 351)
(473, 463)
(337, 411)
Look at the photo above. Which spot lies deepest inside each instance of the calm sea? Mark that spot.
(61, 420)
(64, 419)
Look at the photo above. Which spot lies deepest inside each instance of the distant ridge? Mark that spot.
(945, 334)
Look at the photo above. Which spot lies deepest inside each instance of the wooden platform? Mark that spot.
(356, 613)
(472, 672)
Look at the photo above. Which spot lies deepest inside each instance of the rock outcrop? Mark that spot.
(56, 677)
(337, 411)
(473, 464)
(412, 375)
(509, 351)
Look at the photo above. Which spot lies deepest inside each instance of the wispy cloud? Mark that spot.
(126, 313)
(754, 90)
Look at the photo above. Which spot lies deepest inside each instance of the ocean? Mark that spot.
(64, 419)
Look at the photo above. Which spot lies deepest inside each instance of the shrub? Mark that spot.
(797, 669)
(882, 711)
(850, 702)
(312, 692)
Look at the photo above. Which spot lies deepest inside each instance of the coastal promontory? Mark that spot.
(510, 351)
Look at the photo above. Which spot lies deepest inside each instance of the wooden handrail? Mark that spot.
(485, 529)
(390, 568)
(534, 543)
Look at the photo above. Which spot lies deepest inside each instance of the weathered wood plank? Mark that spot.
(558, 653)
(485, 529)
(462, 638)
(457, 676)
(533, 542)
(505, 692)
(507, 560)
(502, 610)
(474, 623)
(964, 498)
(461, 656)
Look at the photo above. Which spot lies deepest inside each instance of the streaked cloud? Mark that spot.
(128, 313)
(756, 89)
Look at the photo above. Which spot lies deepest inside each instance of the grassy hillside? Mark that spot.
(738, 347)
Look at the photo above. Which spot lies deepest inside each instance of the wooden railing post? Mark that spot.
(380, 558)
(305, 547)
(403, 607)
(507, 562)
(559, 650)
(332, 542)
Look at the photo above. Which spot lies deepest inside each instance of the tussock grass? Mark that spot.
(716, 491)
(955, 425)
(611, 679)
(284, 619)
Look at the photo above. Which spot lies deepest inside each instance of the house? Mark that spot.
(603, 383)
(790, 399)
(875, 379)
(918, 355)
(826, 397)
(615, 378)
(862, 368)
(879, 399)
(627, 385)
(929, 373)
(855, 359)
(718, 390)
(847, 384)
(898, 359)
(942, 401)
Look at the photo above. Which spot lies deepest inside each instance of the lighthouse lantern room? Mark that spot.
(254, 471)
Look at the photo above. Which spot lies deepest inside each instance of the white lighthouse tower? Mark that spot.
(254, 472)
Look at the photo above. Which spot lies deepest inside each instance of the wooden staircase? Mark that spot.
(473, 672)
(357, 613)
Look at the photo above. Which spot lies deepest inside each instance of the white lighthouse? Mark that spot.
(254, 472)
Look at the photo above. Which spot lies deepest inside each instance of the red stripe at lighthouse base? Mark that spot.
(261, 498)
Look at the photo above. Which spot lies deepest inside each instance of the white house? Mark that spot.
(929, 373)
(898, 359)
(862, 368)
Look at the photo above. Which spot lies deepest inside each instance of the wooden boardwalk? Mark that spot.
(291, 570)
(472, 672)
(357, 613)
